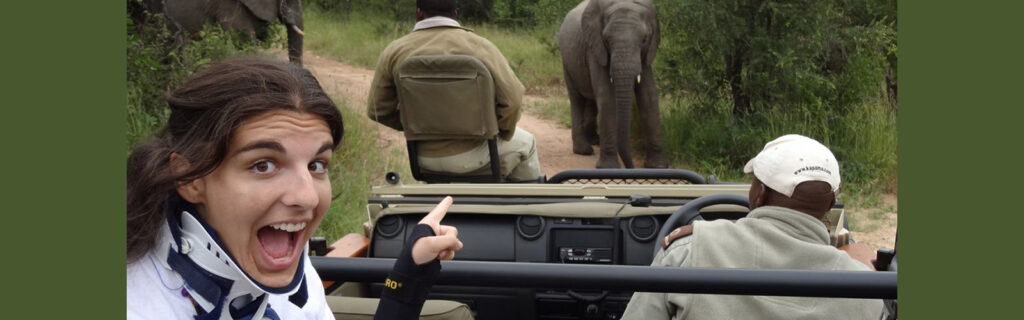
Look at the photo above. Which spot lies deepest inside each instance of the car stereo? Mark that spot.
(585, 255)
(582, 245)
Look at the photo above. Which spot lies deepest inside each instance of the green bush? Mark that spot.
(158, 60)
(713, 141)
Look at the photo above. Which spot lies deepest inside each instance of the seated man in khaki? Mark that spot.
(438, 33)
(795, 183)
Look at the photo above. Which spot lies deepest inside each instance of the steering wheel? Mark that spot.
(690, 212)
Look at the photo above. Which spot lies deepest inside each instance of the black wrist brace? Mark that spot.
(409, 283)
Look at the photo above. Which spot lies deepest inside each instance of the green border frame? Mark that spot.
(62, 131)
(959, 123)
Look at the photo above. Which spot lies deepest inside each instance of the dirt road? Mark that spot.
(554, 146)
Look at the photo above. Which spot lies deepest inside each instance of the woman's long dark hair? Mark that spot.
(205, 111)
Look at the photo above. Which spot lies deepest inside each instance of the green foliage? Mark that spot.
(505, 13)
(762, 54)
(535, 65)
(158, 60)
(329, 5)
(713, 141)
(357, 165)
(549, 12)
(357, 41)
(742, 72)
(391, 10)
(477, 10)
(552, 109)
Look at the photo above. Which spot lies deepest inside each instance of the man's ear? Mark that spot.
(758, 193)
(832, 203)
(835, 197)
(191, 191)
(761, 196)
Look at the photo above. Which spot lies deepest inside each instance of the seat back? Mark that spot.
(447, 97)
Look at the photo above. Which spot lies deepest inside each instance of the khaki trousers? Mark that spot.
(518, 158)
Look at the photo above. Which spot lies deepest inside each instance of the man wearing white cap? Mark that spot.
(795, 183)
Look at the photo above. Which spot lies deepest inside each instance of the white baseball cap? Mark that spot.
(792, 159)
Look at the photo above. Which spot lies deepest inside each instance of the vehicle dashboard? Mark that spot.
(544, 224)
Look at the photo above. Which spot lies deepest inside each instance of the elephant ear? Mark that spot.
(266, 10)
(291, 12)
(652, 47)
(592, 25)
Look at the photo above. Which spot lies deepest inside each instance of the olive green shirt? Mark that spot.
(768, 238)
(383, 104)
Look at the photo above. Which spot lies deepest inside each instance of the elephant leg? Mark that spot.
(294, 44)
(590, 122)
(577, 107)
(650, 117)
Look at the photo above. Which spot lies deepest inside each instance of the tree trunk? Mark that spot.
(395, 11)
(348, 9)
(734, 64)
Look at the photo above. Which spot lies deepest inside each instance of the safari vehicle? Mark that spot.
(575, 247)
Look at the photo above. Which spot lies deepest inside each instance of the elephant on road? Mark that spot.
(251, 16)
(607, 49)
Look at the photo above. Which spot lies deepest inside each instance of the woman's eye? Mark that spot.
(263, 166)
(318, 167)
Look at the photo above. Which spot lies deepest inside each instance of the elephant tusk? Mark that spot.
(638, 78)
(297, 30)
(611, 80)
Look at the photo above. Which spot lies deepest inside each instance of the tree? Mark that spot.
(761, 53)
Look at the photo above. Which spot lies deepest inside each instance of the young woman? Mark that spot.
(223, 200)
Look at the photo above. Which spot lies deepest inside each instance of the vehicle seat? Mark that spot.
(363, 308)
(448, 97)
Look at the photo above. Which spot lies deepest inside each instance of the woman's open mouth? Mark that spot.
(279, 244)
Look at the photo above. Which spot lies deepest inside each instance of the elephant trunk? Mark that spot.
(625, 71)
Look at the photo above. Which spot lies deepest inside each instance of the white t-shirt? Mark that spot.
(155, 292)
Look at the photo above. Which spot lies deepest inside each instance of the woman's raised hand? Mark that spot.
(443, 244)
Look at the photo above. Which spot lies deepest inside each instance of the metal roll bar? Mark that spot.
(799, 283)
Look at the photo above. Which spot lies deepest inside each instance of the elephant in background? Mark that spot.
(607, 49)
(251, 16)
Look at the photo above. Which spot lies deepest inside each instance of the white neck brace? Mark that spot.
(203, 252)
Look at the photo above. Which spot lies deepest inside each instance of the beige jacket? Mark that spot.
(383, 106)
(768, 238)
